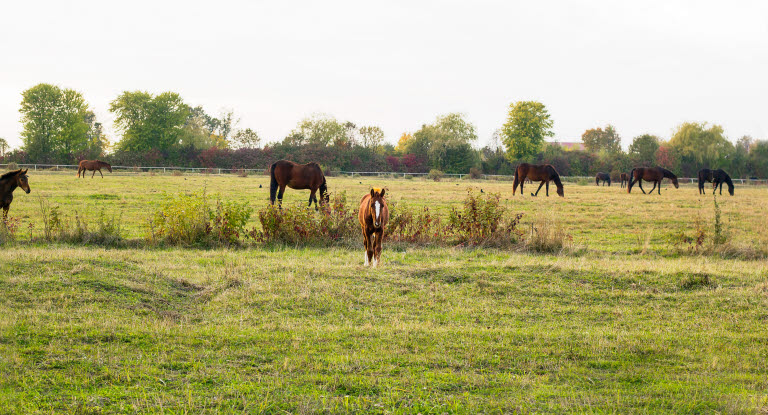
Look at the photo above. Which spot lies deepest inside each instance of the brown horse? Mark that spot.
(373, 216)
(297, 176)
(650, 174)
(8, 183)
(93, 165)
(624, 179)
(605, 177)
(537, 172)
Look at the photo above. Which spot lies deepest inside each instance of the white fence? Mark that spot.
(130, 170)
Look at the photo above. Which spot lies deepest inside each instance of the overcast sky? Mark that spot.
(643, 66)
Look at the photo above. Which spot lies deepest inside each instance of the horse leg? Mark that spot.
(659, 189)
(369, 248)
(94, 173)
(102, 174)
(640, 184)
(377, 246)
(365, 244)
(312, 197)
(547, 187)
(537, 190)
(652, 188)
(280, 195)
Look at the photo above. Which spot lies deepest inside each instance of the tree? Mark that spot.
(402, 143)
(446, 144)
(371, 137)
(3, 146)
(528, 123)
(246, 139)
(319, 129)
(55, 125)
(701, 145)
(597, 139)
(149, 122)
(643, 149)
(758, 158)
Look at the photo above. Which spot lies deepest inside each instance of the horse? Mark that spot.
(94, 165)
(717, 177)
(605, 177)
(624, 179)
(537, 172)
(8, 183)
(297, 176)
(650, 174)
(373, 216)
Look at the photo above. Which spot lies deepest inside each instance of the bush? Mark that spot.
(435, 175)
(475, 173)
(413, 226)
(484, 221)
(188, 219)
(107, 231)
(548, 236)
(8, 228)
(12, 166)
(300, 225)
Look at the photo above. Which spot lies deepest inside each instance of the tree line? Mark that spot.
(162, 130)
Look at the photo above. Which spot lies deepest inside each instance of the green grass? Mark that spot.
(433, 330)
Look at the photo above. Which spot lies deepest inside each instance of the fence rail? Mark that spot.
(127, 170)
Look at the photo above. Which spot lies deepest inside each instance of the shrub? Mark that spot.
(189, 219)
(8, 228)
(475, 173)
(414, 226)
(107, 231)
(484, 221)
(549, 236)
(435, 175)
(12, 166)
(177, 173)
(299, 225)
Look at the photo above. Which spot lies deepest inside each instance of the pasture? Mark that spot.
(629, 321)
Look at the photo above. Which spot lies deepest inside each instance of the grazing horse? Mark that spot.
(373, 216)
(537, 172)
(605, 177)
(297, 176)
(93, 165)
(8, 183)
(624, 179)
(650, 174)
(717, 177)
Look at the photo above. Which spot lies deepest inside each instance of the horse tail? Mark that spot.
(631, 177)
(272, 184)
(516, 182)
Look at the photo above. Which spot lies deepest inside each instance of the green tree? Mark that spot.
(3, 146)
(319, 129)
(758, 158)
(149, 122)
(246, 139)
(643, 149)
(597, 139)
(446, 144)
(371, 137)
(528, 123)
(702, 145)
(55, 125)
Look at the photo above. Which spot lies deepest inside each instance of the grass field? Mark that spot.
(628, 323)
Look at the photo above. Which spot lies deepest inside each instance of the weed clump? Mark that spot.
(482, 220)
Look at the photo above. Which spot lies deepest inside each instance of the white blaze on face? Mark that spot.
(378, 210)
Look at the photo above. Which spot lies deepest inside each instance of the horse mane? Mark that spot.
(9, 174)
(668, 174)
(555, 176)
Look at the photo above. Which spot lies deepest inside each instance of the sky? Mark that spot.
(642, 66)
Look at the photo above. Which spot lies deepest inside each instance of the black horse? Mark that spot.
(716, 177)
(8, 183)
(605, 177)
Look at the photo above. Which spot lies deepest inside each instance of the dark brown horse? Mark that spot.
(624, 179)
(94, 165)
(717, 177)
(537, 172)
(650, 174)
(8, 183)
(605, 177)
(373, 216)
(297, 176)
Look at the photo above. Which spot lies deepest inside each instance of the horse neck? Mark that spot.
(8, 186)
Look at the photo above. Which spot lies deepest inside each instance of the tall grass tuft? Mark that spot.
(57, 227)
(547, 235)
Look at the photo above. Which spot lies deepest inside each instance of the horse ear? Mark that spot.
(25, 171)
(372, 193)
(382, 192)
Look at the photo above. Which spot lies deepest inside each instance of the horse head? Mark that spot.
(21, 180)
(109, 167)
(325, 197)
(374, 206)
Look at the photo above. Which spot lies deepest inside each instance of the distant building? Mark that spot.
(568, 145)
